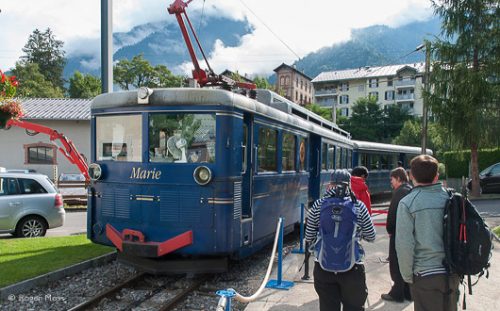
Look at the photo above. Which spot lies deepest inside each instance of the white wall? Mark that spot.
(12, 141)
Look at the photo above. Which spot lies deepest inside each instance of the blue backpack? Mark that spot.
(336, 247)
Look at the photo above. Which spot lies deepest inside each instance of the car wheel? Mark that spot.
(31, 227)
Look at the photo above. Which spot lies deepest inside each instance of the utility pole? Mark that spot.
(425, 107)
(334, 111)
(106, 46)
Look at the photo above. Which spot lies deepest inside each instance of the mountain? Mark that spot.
(372, 46)
(162, 43)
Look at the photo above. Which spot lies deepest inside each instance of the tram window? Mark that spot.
(365, 160)
(338, 155)
(302, 153)
(331, 154)
(244, 145)
(384, 162)
(374, 162)
(267, 150)
(288, 158)
(182, 138)
(349, 158)
(324, 156)
(344, 158)
(119, 138)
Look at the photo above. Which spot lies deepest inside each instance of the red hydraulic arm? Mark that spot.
(69, 151)
(178, 7)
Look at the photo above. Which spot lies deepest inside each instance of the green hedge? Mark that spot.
(457, 162)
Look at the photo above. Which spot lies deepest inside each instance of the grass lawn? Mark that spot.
(497, 231)
(21, 259)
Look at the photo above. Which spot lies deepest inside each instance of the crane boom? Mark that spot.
(68, 150)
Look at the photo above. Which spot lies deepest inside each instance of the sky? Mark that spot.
(284, 30)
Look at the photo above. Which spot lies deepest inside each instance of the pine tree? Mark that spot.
(45, 50)
(464, 77)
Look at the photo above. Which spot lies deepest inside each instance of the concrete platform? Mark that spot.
(303, 297)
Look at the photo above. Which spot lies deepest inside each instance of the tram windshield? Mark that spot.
(119, 138)
(182, 137)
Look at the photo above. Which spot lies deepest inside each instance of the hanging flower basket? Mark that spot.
(9, 108)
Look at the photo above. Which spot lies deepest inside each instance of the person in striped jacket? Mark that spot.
(341, 288)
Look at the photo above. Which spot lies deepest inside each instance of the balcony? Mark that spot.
(404, 83)
(405, 97)
(325, 92)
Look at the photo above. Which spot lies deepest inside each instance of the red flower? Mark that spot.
(3, 77)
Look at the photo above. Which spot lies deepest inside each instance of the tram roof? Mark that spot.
(268, 104)
(371, 146)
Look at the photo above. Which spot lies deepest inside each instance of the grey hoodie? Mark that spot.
(419, 232)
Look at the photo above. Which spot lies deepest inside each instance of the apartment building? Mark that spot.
(390, 85)
(294, 85)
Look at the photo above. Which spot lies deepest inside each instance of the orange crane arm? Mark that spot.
(68, 150)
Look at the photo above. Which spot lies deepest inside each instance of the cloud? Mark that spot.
(304, 26)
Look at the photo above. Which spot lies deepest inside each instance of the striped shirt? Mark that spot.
(365, 229)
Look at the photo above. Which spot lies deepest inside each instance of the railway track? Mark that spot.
(144, 292)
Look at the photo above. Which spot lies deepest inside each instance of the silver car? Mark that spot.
(29, 204)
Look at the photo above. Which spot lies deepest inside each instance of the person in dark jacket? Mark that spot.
(359, 175)
(400, 289)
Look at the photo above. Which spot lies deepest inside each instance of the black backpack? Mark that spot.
(467, 239)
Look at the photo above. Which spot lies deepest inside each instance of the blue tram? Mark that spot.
(203, 173)
(189, 174)
(380, 159)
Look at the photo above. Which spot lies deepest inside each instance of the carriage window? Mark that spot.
(267, 150)
(338, 156)
(374, 162)
(384, 162)
(324, 156)
(344, 158)
(302, 154)
(288, 159)
(349, 158)
(331, 154)
(182, 138)
(119, 138)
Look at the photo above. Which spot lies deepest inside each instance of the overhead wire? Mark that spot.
(270, 30)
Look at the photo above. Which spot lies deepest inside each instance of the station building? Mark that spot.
(21, 149)
(390, 85)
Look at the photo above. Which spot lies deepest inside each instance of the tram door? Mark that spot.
(247, 166)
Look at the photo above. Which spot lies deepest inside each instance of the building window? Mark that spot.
(344, 87)
(40, 153)
(287, 80)
(297, 82)
(282, 80)
(389, 95)
(374, 95)
(344, 99)
(301, 84)
(389, 81)
(344, 112)
(373, 83)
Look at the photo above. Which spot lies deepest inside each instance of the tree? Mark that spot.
(263, 83)
(32, 83)
(324, 112)
(464, 79)
(366, 122)
(393, 119)
(139, 72)
(44, 50)
(84, 86)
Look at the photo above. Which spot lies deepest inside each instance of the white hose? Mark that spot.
(241, 298)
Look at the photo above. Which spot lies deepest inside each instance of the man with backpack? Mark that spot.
(419, 240)
(336, 223)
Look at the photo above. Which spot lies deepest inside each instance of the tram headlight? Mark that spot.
(95, 171)
(202, 175)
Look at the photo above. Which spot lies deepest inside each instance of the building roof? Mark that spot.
(56, 108)
(366, 72)
(283, 65)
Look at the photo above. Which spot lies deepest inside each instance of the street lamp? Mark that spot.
(427, 48)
